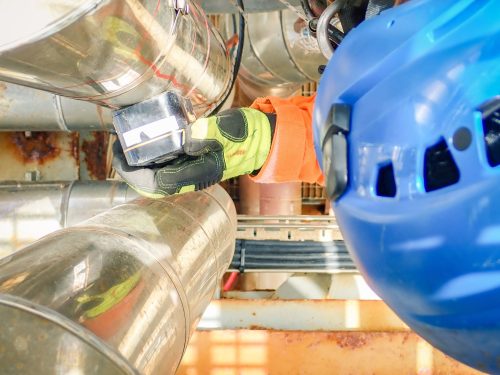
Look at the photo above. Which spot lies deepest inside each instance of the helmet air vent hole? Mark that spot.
(386, 183)
(440, 169)
(491, 128)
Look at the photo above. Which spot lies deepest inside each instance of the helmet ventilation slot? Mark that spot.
(386, 183)
(491, 128)
(440, 169)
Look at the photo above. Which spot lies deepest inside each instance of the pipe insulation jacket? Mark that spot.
(118, 294)
(280, 53)
(29, 211)
(114, 52)
(23, 108)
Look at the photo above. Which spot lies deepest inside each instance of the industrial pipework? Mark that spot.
(118, 294)
(29, 211)
(23, 108)
(114, 52)
(280, 53)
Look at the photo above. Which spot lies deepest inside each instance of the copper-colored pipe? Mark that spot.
(281, 199)
(269, 199)
(249, 196)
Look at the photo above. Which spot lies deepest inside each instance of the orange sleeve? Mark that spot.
(292, 156)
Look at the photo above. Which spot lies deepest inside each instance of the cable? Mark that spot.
(313, 8)
(293, 256)
(307, 10)
(231, 282)
(237, 58)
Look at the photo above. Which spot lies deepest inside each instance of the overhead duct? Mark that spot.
(23, 108)
(280, 53)
(118, 294)
(114, 52)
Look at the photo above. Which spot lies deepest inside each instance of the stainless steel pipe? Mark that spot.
(118, 294)
(280, 53)
(113, 52)
(29, 211)
(23, 108)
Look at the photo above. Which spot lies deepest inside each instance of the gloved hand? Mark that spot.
(232, 143)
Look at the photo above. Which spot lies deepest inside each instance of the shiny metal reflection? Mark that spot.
(113, 52)
(29, 211)
(280, 53)
(136, 278)
(23, 108)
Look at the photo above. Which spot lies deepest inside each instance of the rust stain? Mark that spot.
(74, 146)
(406, 337)
(38, 147)
(257, 327)
(350, 340)
(309, 353)
(95, 154)
(291, 337)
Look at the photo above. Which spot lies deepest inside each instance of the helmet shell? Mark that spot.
(421, 209)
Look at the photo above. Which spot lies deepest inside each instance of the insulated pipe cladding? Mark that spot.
(29, 211)
(114, 52)
(23, 108)
(118, 294)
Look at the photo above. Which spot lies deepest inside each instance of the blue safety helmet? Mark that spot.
(407, 129)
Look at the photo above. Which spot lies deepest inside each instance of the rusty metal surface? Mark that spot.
(35, 147)
(303, 315)
(54, 156)
(93, 155)
(51, 155)
(256, 352)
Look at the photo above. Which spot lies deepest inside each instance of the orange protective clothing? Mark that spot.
(292, 156)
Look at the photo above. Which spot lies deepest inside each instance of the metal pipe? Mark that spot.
(120, 293)
(251, 6)
(23, 108)
(249, 194)
(29, 211)
(280, 53)
(281, 198)
(114, 52)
